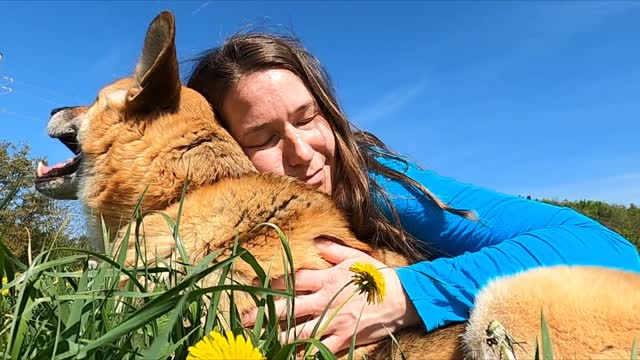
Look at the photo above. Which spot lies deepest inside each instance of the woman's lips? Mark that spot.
(316, 178)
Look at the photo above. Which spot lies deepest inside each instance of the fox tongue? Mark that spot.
(58, 181)
(44, 169)
(58, 169)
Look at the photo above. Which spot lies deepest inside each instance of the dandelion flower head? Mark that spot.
(369, 281)
(224, 347)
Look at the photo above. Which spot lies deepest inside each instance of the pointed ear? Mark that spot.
(157, 81)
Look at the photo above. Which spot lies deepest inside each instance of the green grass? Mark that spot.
(62, 309)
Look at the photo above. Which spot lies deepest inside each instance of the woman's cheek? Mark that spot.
(265, 161)
(316, 137)
(328, 139)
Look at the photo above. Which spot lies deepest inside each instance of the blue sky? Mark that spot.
(527, 98)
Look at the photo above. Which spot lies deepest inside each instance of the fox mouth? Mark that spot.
(59, 181)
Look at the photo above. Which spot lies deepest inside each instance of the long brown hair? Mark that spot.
(217, 70)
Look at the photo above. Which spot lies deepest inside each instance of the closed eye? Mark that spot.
(263, 144)
(307, 120)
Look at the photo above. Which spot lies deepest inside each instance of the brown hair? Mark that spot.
(219, 69)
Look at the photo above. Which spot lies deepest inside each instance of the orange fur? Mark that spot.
(592, 313)
(150, 133)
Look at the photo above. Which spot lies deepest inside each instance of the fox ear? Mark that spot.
(157, 81)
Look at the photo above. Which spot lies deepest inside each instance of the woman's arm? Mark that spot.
(513, 234)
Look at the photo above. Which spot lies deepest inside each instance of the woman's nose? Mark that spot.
(297, 150)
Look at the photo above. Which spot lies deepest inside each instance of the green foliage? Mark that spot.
(25, 214)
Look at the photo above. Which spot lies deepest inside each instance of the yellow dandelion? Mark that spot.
(5, 292)
(217, 347)
(369, 281)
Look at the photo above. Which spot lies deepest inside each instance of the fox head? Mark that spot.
(143, 134)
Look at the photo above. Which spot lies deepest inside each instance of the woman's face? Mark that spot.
(279, 126)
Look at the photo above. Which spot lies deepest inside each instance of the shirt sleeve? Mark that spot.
(512, 234)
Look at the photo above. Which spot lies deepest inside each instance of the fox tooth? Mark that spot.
(39, 169)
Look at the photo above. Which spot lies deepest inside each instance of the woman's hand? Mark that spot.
(377, 320)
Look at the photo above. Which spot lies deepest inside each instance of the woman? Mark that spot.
(277, 101)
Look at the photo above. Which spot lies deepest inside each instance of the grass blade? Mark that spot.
(547, 347)
(162, 339)
(76, 309)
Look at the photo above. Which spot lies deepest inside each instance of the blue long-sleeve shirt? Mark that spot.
(513, 234)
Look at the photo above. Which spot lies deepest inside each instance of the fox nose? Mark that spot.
(56, 110)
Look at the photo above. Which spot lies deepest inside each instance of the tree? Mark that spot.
(24, 213)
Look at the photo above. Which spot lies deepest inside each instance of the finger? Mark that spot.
(304, 305)
(305, 280)
(300, 332)
(336, 253)
(334, 343)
